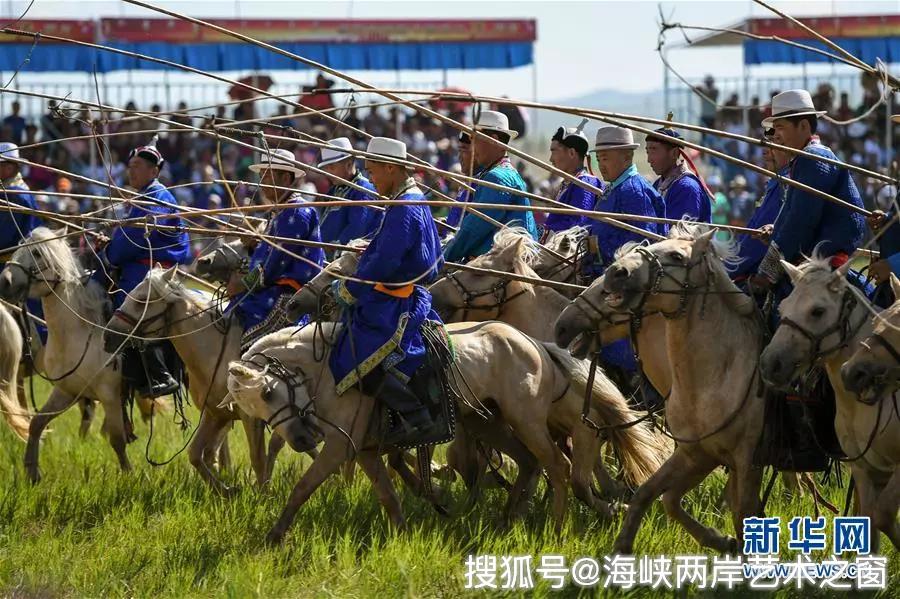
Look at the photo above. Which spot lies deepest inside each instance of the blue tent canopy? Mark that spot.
(415, 56)
(867, 49)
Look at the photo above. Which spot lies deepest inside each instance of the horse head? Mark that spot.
(589, 322)
(312, 297)
(874, 368)
(470, 295)
(146, 304)
(221, 260)
(268, 383)
(815, 321)
(37, 267)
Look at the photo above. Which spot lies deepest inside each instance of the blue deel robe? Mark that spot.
(134, 254)
(343, 224)
(380, 328)
(686, 197)
(456, 213)
(576, 197)
(752, 250)
(16, 226)
(277, 272)
(628, 194)
(476, 236)
(807, 220)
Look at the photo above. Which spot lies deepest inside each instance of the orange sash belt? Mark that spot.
(401, 292)
(289, 283)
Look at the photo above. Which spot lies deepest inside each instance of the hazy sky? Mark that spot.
(582, 46)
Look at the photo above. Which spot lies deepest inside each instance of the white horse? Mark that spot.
(715, 408)
(522, 379)
(12, 402)
(161, 307)
(826, 321)
(74, 358)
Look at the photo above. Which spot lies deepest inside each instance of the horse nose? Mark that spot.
(112, 341)
(773, 368)
(857, 376)
(617, 272)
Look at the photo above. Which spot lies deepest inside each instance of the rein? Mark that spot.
(498, 291)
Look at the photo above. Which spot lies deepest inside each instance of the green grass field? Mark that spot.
(89, 531)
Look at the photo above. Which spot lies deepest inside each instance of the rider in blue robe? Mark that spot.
(680, 186)
(132, 251)
(277, 268)
(16, 226)
(274, 275)
(381, 347)
(808, 223)
(476, 235)
(464, 195)
(568, 148)
(342, 224)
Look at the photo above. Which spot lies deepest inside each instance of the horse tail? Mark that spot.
(641, 449)
(16, 412)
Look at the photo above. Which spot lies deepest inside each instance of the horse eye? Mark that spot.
(818, 312)
(676, 255)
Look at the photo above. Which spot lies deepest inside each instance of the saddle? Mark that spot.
(428, 397)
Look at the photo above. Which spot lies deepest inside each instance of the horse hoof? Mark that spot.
(230, 492)
(622, 548)
(274, 538)
(731, 546)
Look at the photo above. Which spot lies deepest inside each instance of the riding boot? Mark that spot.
(159, 381)
(412, 423)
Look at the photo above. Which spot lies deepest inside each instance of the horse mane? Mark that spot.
(511, 236)
(726, 250)
(50, 248)
(176, 290)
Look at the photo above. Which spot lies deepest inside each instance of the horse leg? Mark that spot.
(256, 440)
(348, 472)
(87, 416)
(537, 439)
(374, 468)
(807, 480)
(114, 427)
(205, 436)
(671, 475)
(611, 487)
(586, 457)
(867, 494)
(688, 478)
(748, 481)
(224, 452)
(276, 443)
(884, 516)
(334, 453)
(56, 404)
(792, 483)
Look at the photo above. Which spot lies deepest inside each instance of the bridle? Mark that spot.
(36, 273)
(499, 292)
(841, 326)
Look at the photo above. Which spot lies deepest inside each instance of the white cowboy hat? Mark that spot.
(279, 160)
(491, 120)
(337, 153)
(794, 102)
(387, 149)
(614, 138)
(9, 150)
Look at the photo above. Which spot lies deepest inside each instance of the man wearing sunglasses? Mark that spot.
(568, 148)
(476, 236)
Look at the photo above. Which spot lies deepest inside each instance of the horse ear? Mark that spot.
(792, 271)
(895, 285)
(227, 403)
(171, 275)
(701, 244)
(839, 275)
(62, 232)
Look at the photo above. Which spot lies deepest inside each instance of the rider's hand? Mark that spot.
(235, 285)
(100, 241)
(764, 233)
(880, 271)
(876, 219)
